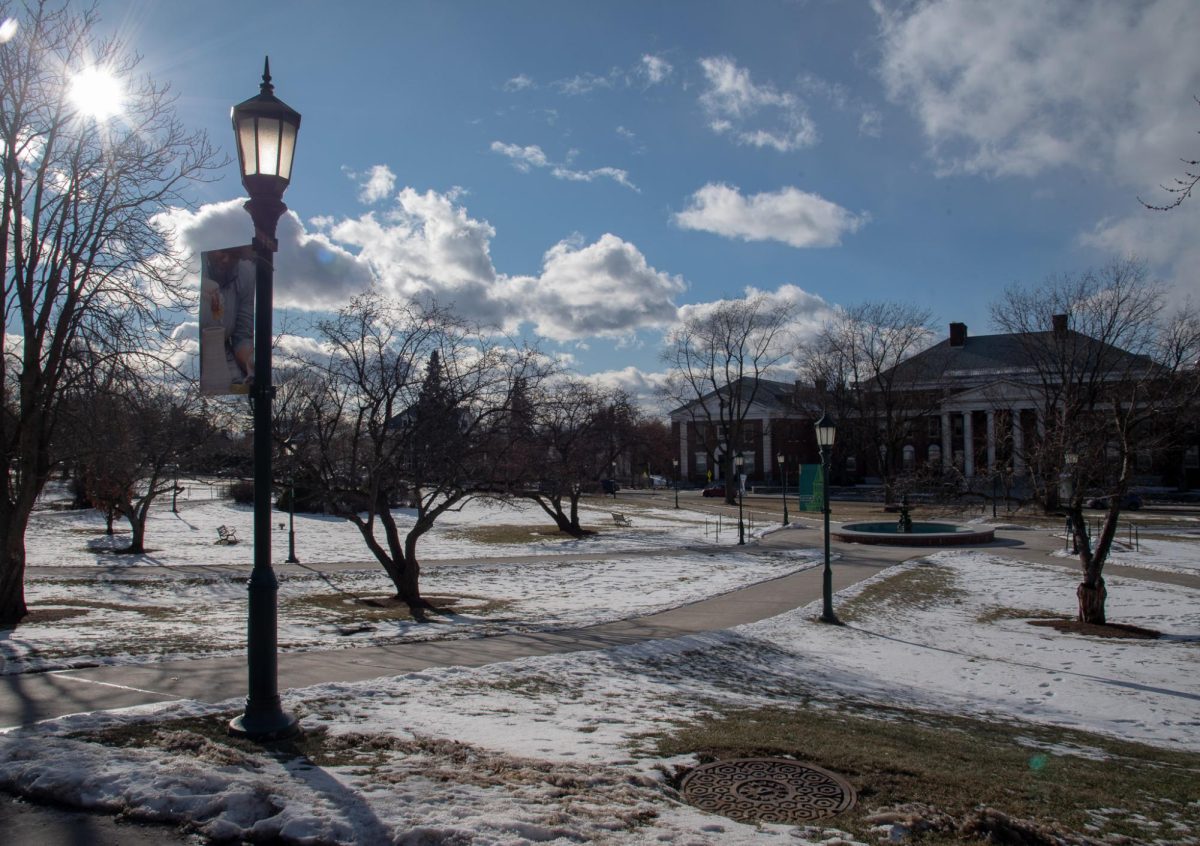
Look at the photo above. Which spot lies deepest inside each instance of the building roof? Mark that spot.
(769, 393)
(994, 356)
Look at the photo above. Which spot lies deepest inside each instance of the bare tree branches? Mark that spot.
(1120, 377)
(1181, 187)
(81, 259)
(716, 359)
(858, 357)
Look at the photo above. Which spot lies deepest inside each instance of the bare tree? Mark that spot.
(861, 357)
(410, 408)
(716, 359)
(1120, 377)
(128, 432)
(80, 255)
(577, 431)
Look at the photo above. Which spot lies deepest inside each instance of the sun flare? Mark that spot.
(97, 93)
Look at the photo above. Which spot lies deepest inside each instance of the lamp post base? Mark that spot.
(273, 724)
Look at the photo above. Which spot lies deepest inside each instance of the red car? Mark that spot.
(715, 490)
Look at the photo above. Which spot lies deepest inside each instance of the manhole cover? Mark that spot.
(776, 790)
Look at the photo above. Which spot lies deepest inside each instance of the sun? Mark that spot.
(97, 93)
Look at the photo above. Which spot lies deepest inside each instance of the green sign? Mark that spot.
(812, 488)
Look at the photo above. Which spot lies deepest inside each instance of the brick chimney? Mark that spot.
(958, 334)
(1058, 322)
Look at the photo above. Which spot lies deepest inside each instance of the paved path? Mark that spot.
(30, 697)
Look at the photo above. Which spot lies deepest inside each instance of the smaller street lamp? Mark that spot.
(783, 470)
(1071, 460)
(675, 464)
(737, 465)
(292, 559)
(826, 432)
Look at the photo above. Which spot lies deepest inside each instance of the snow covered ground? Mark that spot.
(168, 603)
(552, 749)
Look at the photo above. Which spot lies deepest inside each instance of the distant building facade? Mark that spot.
(981, 414)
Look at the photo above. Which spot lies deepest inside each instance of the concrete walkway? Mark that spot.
(30, 697)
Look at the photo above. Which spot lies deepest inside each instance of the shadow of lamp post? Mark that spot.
(826, 431)
(675, 464)
(265, 129)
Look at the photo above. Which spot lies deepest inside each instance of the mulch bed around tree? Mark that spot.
(1117, 630)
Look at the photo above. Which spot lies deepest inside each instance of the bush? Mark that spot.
(242, 492)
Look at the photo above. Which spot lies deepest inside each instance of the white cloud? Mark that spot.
(758, 115)
(427, 246)
(377, 185)
(523, 158)
(526, 158)
(605, 289)
(644, 387)
(789, 215)
(520, 82)
(1167, 239)
(1028, 86)
(311, 271)
(655, 69)
(583, 83)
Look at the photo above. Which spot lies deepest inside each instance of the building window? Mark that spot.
(701, 462)
(748, 463)
(910, 456)
(935, 427)
(851, 464)
(1191, 458)
(1144, 463)
(935, 454)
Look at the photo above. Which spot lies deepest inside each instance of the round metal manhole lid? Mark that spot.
(775, 790)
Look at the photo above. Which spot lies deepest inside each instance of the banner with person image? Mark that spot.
(227, 321)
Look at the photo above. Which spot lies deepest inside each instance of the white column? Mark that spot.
(1018, 444)
(947, 453)
(968, 445)
(767, 460)
(991, 440)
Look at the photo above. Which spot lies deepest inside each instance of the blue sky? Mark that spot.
(583, 170)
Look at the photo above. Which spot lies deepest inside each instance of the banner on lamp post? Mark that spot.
(227, 321)
(811, 488)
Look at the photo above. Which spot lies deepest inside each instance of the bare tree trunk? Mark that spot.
(1091, 594)
(12, 574)
(553, 508)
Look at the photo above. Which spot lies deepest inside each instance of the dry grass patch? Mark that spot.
(505, 533)
(943, 770)
(923, 587)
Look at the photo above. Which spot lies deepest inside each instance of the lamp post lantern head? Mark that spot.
(265, 128)
(779, 459)
(826, 431)
(737, 461)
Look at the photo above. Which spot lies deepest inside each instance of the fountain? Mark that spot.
(907, 532)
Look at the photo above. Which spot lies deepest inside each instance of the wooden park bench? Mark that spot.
(226, 535)
(621, 519)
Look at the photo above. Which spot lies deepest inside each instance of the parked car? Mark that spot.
(659, 482)
(1129, 502)
(715, 490)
